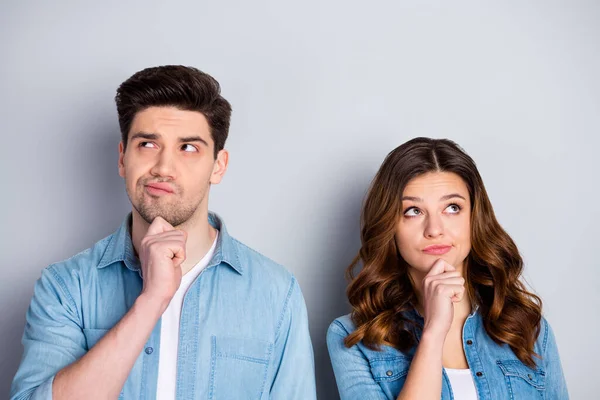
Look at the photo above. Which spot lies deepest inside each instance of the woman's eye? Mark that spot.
(412, 212)
(188, 148)
(453, 209)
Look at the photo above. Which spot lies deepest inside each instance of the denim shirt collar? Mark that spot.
(120, 247)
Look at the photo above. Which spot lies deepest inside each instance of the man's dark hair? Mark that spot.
(186, 88)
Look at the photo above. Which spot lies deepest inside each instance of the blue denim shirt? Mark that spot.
(243, 332)
(498, 374)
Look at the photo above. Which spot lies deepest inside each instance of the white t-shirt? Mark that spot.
(169, 331)
(463, 386)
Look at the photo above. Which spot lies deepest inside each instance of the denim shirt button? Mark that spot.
(479, 373)
(529, 376)
(469, 342)
(389, 373)
(149, 350)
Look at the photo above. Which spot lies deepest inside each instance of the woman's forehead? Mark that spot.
(433, 184)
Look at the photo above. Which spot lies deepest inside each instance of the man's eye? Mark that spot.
(188, 148)
(146, 144)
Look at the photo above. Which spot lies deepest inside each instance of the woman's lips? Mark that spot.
(437, 249)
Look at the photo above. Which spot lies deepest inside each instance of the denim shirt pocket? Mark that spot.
(390, 373)
(238, 365)
(523, 382)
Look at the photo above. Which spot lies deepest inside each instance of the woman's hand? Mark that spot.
(442, 287)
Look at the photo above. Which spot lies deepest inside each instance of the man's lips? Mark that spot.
(160, 188)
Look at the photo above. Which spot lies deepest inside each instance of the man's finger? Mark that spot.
(159, 225)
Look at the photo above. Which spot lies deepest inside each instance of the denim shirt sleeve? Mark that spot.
(351, 368)
(295, 375)
(52, 339)
(557, 386)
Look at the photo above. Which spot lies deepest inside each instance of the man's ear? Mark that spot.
(121, 157)
(220, 167)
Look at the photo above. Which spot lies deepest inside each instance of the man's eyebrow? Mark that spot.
(188, 139)
(156, 136)
(145, 135)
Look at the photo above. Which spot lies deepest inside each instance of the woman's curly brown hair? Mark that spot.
(381, 292)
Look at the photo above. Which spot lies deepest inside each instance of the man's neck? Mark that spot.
(200, 237)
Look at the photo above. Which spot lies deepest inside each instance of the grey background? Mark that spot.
(322, 91)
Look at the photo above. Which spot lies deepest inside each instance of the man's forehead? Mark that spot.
(171, 123)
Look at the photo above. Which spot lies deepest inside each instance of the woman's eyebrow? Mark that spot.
(412, 198)
(452, 196)
(443, 198)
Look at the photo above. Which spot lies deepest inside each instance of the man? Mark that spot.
(169, 306)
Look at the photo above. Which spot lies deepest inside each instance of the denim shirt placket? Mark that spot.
(188, 333)
(473, 359)
(149, 373)
(187, 352)
(152, 350)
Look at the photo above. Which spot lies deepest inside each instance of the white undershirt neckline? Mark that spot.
(462, 383)
(169, 331)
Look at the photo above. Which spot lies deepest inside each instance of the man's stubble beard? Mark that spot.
(174, 212)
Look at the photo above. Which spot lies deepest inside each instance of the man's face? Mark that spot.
(169, 164)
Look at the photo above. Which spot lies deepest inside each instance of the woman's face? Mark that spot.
(435, 221)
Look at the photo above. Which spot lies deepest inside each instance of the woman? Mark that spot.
(438, 307)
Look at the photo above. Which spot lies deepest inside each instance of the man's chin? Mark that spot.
(173, 219)
(150, 216)
(174, 212)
